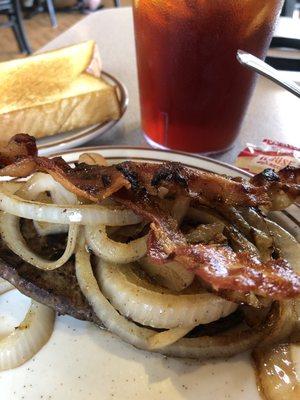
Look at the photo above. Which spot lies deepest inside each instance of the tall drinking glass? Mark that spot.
(193, 92)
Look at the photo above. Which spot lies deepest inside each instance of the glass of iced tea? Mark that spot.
(193, 92)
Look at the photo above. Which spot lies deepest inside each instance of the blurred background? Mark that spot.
(27, 25)
(41, 22)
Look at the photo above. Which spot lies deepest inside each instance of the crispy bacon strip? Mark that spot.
(17, 158)
(92, 182)
(223, 269)
(95, 182)
(282, 187)
(194, 183)
(217, 265)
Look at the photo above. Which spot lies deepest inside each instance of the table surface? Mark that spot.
(272, 113)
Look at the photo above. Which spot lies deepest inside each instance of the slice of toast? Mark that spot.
(37, 75)
(85, 101)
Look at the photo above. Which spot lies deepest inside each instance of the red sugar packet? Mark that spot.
(271, 154)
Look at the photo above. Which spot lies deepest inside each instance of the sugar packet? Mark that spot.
(270, 154)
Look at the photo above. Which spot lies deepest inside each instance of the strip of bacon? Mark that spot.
(282, 187)
(217, 265)
(92, 182)
(97, 182)
(17, 158)
(223, 269)
(179, 179)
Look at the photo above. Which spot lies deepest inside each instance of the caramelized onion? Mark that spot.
(276, 373)
(205, 233)
(112, 251)
(286, 243)
(171, 274)
(148, 304)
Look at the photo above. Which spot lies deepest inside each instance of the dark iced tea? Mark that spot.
(193, 92)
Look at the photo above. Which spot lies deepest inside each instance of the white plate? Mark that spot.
(80, 361)
(77, 137)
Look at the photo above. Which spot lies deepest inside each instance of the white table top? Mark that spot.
(272, 113)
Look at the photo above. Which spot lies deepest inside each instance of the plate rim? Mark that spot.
(142, 148)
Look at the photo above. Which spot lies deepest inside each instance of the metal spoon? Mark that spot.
(257, 65)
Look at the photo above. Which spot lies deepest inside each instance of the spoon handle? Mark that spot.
(257, 65)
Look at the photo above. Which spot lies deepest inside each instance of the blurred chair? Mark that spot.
(41, 6)
(51, 11)
(12, 9)
(82, 6)
(288, 8)
(284, 52)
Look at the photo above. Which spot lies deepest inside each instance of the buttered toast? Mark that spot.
(55, 92)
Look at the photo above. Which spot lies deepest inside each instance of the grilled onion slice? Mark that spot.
(40, 183)
(286, 243)
(28, 338)
(86, 214)
(171, 275)
(112, 251)
(148, 304)
(12, 237)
